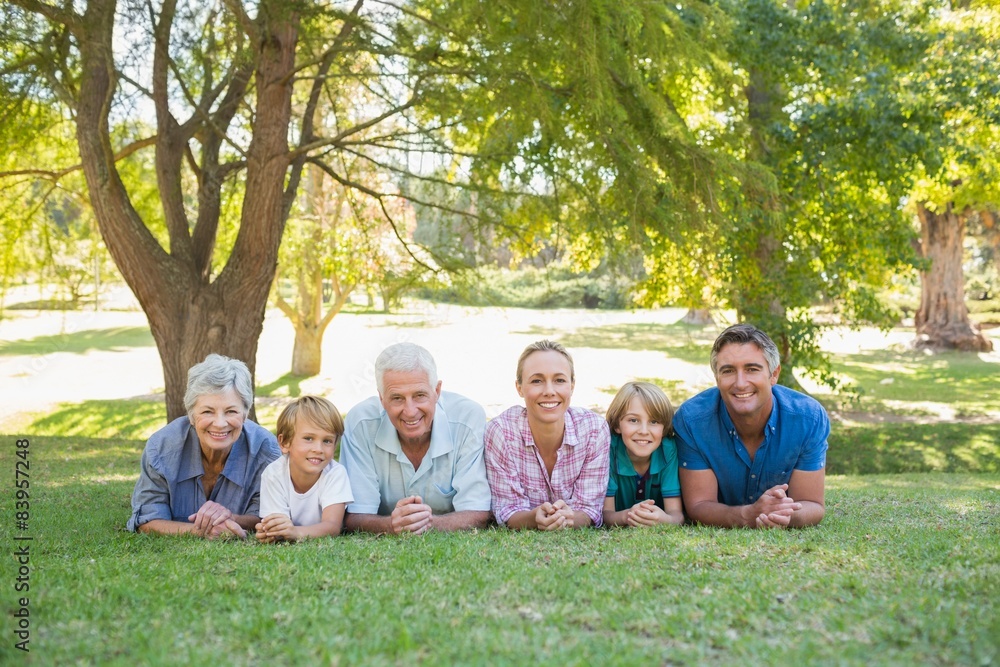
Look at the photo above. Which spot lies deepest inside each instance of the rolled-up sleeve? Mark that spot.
(151, 496)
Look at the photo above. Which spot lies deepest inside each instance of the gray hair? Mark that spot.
(404, 358)
(741, 334)
(218, 374)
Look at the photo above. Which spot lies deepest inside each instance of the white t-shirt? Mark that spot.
(278, 495)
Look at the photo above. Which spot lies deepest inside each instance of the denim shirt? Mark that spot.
(795, 438)
(169, 485)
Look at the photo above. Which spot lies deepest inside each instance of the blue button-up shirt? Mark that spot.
(169, 485)
(795, 438)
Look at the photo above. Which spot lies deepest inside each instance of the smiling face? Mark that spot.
(641, 433)
(410, 400)
(744, 380)
(218, 421)
(309, 451)
(546, 386)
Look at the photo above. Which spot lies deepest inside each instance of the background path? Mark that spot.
(49, 357)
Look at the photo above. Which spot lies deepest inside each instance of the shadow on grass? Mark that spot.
(676, 390)
(290, 383)
(118, 338)
(686, 342)
(130, 419)
(944, 377)
(871, 449)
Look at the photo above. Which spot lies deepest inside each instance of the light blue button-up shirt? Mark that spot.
(451, 476)
(795, 438)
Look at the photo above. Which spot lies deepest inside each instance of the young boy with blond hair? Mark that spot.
(305, 492)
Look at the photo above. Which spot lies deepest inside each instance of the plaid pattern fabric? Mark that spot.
(517, 475)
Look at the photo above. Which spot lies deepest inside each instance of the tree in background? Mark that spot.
(228, 153)
(957, 88)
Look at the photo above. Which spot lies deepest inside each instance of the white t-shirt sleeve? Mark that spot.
(274, 488)
(336, 486)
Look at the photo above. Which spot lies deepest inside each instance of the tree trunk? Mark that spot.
(942, 320)
(191, 316)
(307, 354)
(698, 316)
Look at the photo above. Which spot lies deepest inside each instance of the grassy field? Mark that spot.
(904, 570)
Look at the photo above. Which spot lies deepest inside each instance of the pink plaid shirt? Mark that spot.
(517, 475)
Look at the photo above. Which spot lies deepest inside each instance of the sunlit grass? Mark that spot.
(905, 569)
(79, 342)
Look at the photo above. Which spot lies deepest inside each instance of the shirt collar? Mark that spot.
(236, 463)
(386, 437)
(769, 428)
(570, 435)
(657, 460)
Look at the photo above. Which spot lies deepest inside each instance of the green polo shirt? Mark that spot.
(623, 480)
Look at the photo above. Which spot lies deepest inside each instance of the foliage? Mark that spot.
(903, 567)
(555, 287)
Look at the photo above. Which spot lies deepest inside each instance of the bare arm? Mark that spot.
(464, 520)
(807, 488)
(611, 517)
(165, 527)
(411, 515)
(280, 526)
(700, 491)
(368, 523)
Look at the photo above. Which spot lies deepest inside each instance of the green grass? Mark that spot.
(81, 341)
(905, 569)
(914, 382)
(691, 343)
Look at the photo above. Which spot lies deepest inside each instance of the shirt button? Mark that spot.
(753, 476)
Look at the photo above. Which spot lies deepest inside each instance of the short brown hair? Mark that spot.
(544, 346)
(653, 398)
(316, 409)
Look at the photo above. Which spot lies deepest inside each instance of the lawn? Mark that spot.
(904, 570)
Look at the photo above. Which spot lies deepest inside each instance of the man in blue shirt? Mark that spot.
(751, 453)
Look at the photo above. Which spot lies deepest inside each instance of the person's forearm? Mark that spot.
(612, 518)
(582, 519)
(246, 521)
(523, 520)
(166, 527)
(725, 516)
(368, 523)
(321, 529)
(810, 514)
(464, 520)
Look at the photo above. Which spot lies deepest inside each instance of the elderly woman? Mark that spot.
(201, 473)
(547, 462)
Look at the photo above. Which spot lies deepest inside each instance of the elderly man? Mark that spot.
(751, 453)
(414, 454)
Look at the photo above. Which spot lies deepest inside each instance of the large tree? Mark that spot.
(219, 80)
(956, 86)
(520, 97)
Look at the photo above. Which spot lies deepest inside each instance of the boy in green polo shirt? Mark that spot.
(643, 489)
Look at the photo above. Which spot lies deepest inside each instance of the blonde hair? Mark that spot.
(316, 409)
(653, 399)
(544, 346)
